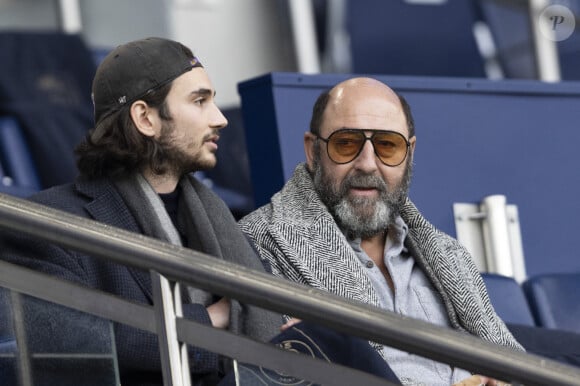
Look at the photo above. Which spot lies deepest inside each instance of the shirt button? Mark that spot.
(370, 264)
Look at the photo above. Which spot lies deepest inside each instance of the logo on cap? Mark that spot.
(194, 62)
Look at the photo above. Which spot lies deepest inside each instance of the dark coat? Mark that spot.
(137, 350)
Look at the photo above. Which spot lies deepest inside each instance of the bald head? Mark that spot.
(362, 85)
(360, 97)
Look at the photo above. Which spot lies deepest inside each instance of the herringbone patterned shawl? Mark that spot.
(300, 239)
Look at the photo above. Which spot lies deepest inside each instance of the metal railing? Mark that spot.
(216, 276)
(490, 230)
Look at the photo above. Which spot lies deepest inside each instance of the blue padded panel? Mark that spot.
(397, 38)
(508, 299)
(15, 155)
(555, 300)
(475, 138)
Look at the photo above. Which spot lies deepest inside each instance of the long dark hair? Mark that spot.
(116, 148)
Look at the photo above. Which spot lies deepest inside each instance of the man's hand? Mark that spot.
(219, 313)
(480, 380)
(289, 324)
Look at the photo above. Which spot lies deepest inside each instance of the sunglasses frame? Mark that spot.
(367, 138)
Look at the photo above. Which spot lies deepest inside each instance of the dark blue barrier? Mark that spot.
(475, 138)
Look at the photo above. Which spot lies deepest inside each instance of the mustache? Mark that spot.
(213, 133)
(361, 180)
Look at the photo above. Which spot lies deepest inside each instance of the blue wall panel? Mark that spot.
(475, 138)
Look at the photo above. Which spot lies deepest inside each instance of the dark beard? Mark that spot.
(176, 159)
(361, 216)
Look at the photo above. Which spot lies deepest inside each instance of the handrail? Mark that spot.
(263, 290)
(142, 316)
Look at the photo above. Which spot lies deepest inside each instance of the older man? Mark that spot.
(343, 223)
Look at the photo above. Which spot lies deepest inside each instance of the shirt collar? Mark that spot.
(397, 232)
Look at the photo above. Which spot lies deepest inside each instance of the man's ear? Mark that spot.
(309, 139)
(413, 141)
(145, 118)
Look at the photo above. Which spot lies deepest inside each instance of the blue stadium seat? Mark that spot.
(508, 299)
(569, 48)
(553, 299)
(17, 191)
(397, 37)
(7, 346)
(17, 163)
(18, 175)
(45, 83)
(509, 24)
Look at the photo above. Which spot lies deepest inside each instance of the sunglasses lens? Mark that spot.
(390, 147)
(344, 146)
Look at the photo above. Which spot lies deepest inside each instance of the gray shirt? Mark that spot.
(415, 297)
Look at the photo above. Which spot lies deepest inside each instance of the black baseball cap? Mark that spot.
(133, 69)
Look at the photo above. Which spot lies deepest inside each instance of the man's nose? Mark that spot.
(366, 160)
(218, 120)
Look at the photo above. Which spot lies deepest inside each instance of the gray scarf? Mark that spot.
(210, 228)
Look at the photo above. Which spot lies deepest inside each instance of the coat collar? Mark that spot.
(106, 205)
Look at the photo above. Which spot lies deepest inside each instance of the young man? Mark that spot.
(156, 121)
(343, 223)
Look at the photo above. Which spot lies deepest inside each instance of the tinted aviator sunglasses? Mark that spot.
(344, 145)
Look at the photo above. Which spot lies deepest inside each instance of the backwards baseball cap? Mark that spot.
(136, 68)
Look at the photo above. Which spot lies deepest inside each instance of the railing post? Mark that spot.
(24, 356)
(167, 304)
(490, 231)
(496, 235)
(545, 47)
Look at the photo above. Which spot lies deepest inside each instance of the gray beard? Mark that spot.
(361, 217)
